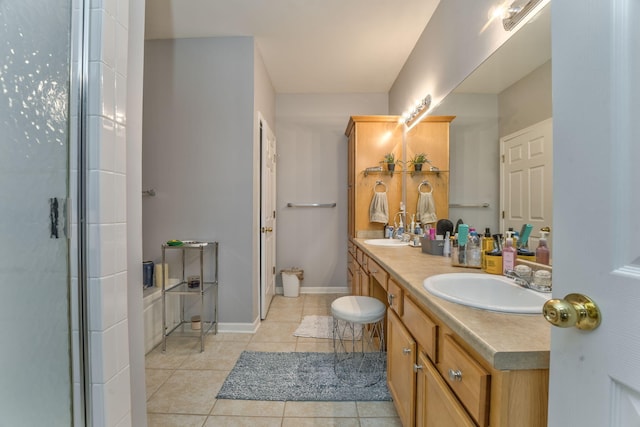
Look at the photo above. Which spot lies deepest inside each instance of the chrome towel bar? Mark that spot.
(311, 205)
(462, 205)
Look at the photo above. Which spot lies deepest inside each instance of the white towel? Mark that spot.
(426, 209)
(379, 209)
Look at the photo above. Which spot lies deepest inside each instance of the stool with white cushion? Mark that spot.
(358, 339)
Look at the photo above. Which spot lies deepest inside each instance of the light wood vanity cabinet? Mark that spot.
(437, 380)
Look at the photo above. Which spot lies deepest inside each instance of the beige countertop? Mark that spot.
(506, 341)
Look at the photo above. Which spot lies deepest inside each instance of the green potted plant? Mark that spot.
(418, 160)
(390, 160)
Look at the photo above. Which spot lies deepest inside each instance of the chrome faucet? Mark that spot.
(519, 280)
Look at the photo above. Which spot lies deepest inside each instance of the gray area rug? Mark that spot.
(294, 377)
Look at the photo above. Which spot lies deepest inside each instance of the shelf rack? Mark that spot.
(207, 289)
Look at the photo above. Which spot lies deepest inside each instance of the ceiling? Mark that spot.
(308, 46)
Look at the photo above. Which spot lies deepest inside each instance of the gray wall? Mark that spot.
(312, 167)
(526, 102)
(199, 155)
(455, 42)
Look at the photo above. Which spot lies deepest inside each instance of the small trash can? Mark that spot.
(291, 279)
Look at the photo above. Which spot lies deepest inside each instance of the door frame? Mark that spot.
(268, 226)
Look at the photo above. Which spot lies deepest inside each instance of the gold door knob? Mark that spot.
(574, 310)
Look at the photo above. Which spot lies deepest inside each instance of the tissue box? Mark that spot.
(432, 247)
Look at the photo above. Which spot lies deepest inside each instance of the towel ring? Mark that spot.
(380, 183)
(425, 183)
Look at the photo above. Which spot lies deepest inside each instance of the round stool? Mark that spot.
(358, 340)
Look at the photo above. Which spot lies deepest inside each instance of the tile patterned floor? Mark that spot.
(183, 382)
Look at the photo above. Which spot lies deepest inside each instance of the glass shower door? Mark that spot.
(35, 293)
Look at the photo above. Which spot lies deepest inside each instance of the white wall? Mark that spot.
(312, 168)
(457, 39)
(474, 158)
(199, 156)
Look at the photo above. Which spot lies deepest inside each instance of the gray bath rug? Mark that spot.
(294, 377)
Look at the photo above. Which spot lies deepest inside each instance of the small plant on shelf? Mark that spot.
(390, 160)
(418, 160)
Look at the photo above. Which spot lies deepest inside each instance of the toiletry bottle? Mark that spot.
(508, 256)
(413, 223)
(418, 230)
(473, 249)
(400, 229)
(487, 245)
(446, 249)
(542, 251)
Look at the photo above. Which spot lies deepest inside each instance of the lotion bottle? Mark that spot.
(542, 251)
(508, 256)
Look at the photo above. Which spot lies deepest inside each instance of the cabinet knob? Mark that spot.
(406, 351)
(390, 298)
(417, 368)
(455, 375)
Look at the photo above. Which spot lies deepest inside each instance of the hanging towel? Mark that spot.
(426, 208)
(379, 209)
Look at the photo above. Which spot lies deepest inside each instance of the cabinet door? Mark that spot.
(436, 405)
(401, 357)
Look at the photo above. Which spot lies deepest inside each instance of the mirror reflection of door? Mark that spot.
(267, 218)
(526, 178)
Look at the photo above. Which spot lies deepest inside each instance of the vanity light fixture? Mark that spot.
(418, 112)
(517, 11)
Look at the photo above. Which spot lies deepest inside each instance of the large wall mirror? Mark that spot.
(509, 92)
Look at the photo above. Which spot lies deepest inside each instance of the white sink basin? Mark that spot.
(487, 292)
(394, 243)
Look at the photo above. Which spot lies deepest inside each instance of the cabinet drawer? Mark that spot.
(468, 380)
(361, 258)
(351, 248)
(378, 273)
(394, 296)
(437, 406)
(351, 264)
(423, 329)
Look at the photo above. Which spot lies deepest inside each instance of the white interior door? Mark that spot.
(267, 218)
(595, 376)
(526, 178)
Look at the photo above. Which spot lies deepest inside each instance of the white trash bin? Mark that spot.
(291, 279)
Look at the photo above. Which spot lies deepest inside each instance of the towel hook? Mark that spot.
(425, 182)
(380, 183)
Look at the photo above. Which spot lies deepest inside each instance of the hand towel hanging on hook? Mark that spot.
(379, 208)
(426, 206)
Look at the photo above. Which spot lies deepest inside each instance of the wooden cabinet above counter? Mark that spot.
(370, 139)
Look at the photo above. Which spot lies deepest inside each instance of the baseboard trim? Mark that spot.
(318, 290)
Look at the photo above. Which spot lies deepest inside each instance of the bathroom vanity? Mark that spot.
(450, 365)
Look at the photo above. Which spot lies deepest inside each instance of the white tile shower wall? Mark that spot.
(107, 213)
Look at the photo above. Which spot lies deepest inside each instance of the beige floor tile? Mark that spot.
(228, 336)
(288, 314)
(219, 356)
(227, 421)
(187, 392)
(155, 378)
(320, 422)
(315, 310)
(287, 347)
(248, 408)
(276, 332)
(376, 409)
(173, 420)
(380, 422)
(283, 302)
(320, 409)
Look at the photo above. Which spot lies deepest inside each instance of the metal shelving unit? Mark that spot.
(207, 291)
